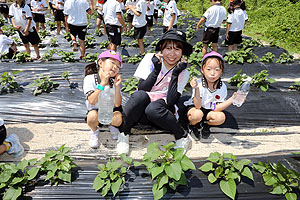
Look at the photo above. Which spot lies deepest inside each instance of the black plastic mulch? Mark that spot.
(139, 184)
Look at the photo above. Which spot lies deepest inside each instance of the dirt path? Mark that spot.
(39, 138)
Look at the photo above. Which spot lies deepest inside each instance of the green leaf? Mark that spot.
(214, 157)
(238, 165)
(162, 181)
(12, 193)
(277, 190)
(32, 162)
(5, 176)
(17, 180)
(22, 165)
(247, 172)
(290, 196)
(169, 146)
(50, 174)
(174, 170)
(187, 164)
(106, 188)
(103, 174)
(178, 155)
(259, 167)
(206, 167)
(211, 178)
(182, 180)
(218, 171)
(269, 179)
(116, 186)
(158, 194)
(228, 155)
(33, 172)
(172, 185)
(101, 166)
(128, 160)
(98, 183)
(264, 88)
(113, 176)
(245, 161)
(51, 154)
(228, 187)
(65, 176)
(155, 171)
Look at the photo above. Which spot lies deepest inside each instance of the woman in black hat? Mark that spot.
(162, 78)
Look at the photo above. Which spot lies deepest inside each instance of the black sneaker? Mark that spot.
(205, 130)
(194, 132)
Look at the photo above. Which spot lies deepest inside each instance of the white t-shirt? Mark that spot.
(156, 4)
(4, 42)
(214, 16)
(209, 99)
(110, 10)
(140, 21)
(21, 15)
(38, 5)
(160, 91)
(100, 6)
(170, 9)
(60, 7)
(122, 6)
(130, 2)
(27, 2)
(76, 12)
(237, 19)
(89, 85)
(150, 5)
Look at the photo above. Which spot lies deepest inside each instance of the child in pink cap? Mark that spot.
(99, 75)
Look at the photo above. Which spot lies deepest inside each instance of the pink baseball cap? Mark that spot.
(111, 54)
(212, 54)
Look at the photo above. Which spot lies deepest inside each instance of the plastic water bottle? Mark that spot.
(106, 105)
(242, 93)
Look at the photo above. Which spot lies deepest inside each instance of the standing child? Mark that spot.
(213, 18)
(149, 15)
(129, 12)
(99, 7)
(59, 13)
(10, 144)
(236, 20)
(21, 20)
(39, 8)
(170, 15)
(206, 106)
(139, 22)
(156, 7)
(97, 77)
(113, 20)
(75, 15)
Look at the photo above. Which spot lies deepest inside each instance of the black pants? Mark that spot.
(2, 134)
(139, 108)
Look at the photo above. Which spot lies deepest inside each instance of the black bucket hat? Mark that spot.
(178, 36)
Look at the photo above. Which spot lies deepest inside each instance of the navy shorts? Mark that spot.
(211, 35)
(32, 37)
(114, 34)
(78, 30)
(234, 38)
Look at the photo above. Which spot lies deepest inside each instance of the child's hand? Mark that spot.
(118, 80)
(104, 76)
(194, 83)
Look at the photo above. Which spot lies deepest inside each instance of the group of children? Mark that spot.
(157, 101)
(213, 19)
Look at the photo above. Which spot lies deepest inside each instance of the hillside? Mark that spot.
(274, 21)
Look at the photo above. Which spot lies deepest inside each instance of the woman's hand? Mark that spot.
(118, 80)
(194, 83)
(156, 60)
(104, 76)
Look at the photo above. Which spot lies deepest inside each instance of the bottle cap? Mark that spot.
(1, 122)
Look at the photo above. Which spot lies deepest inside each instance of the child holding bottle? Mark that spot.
(97, 76)
(208, 101)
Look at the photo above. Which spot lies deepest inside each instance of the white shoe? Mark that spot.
(185, 143)
(114, 132)
(123, 143)
(94, 139)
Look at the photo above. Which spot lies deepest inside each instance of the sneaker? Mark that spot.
(193, 130)
(114, 132)
(185, 143)
(16, 148)
(94, 139)
(123, 143)
(205, 130)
